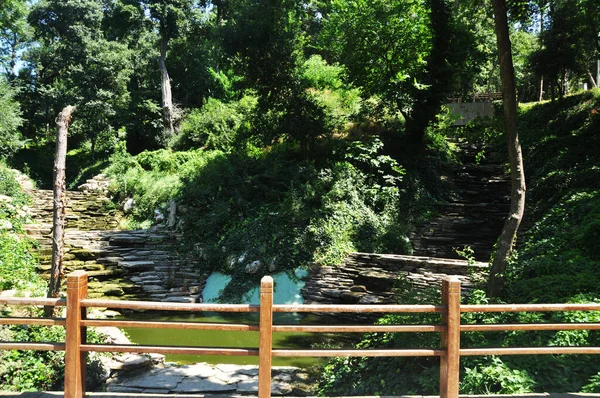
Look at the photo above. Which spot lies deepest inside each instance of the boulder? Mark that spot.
(254, 267)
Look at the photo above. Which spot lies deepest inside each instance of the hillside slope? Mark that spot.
(560, 256)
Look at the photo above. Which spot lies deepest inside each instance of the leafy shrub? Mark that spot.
(17, 263)
(39, 370)
(9, 185)
(340, 102)
(153, 178)
(317, 73)
(282, 212)
(594, 384)
(496, 378)
(215, 125)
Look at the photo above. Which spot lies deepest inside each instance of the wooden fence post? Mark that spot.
(450, 361)
(266, 337)
(75, 359)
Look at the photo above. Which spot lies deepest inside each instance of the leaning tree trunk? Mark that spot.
(167, 99)
(517, 197)
(58, 221)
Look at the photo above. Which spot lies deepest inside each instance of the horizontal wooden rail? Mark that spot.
(32, 346)
(162, 306)
(37, 301)
(529, 351)
(359, 353)
(358, 328)
(33, 321)
(359, 309)
(161, 349)
(170, 325)
(529, 307)
(529, 326)
(450, 328)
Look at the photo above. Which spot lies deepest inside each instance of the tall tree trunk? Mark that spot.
(167, 99)
(58, 221)
(594, 84)
(517, 199)
(563, 83)
(441, 64)
(491, 76)
(598, 71)
(541, 97)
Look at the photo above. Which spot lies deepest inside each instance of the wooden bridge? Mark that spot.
(449, 350)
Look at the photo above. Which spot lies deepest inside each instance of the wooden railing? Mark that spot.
(76, 323)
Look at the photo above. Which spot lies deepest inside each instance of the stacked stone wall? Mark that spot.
(135, 265)
(367, 278)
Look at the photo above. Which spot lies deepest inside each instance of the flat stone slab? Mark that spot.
(131, 265)
(167, 378)
(203, 378)
(197, 384)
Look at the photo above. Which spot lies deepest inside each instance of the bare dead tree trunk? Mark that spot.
(58, 229)
(594, 84)
(598, 70)
(517, 199)
(167, 98)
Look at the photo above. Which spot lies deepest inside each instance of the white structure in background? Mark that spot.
(481, 106)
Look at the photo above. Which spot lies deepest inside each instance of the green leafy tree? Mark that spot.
(266, 40)
(168, 16)
(10, 120)
(14, 33)
(570, 43)
(506, 240)
(74, 63)
(407, 53)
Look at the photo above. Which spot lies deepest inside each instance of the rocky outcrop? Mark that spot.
(475, 212)
(86, 211)
(367, 278)
(136, 265)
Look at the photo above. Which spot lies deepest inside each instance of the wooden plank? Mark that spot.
(358, 328)
(359, 353)
(33, 321)
(46, 346)
(170, 325)
(169, 349)
(444, 345)
(529, 351)
(383, 308)
(37, 301)
(74, 357)
(450, 363)
(529, 326)
(163, 306)
(529, 307)
(266, 337)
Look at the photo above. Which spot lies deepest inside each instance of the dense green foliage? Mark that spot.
(302, 130)
(17, 263)
(557, 262)
(274, 206)
(10, 121)
(560, 256)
